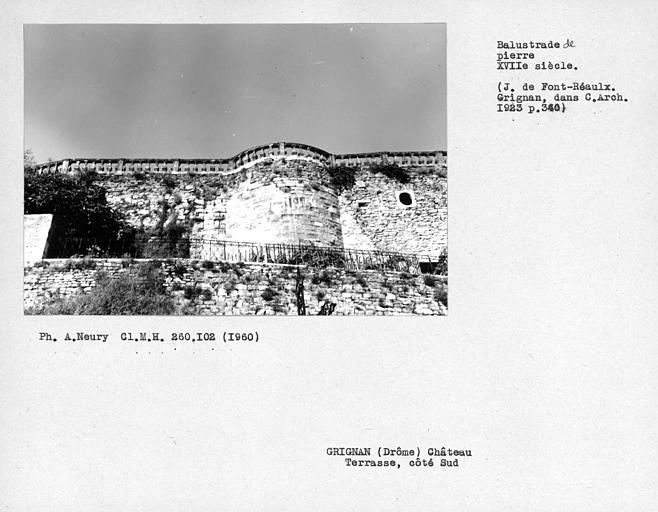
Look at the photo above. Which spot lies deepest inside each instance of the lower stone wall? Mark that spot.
(207, 288)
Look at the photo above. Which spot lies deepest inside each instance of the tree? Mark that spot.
(28, 159)
(83, 221)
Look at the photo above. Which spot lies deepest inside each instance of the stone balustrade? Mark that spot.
(241, 160)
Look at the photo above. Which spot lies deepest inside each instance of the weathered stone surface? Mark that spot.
(370, 292)
(290, 201)
(373, 218)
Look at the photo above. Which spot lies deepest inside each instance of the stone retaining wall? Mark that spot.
(204, 288)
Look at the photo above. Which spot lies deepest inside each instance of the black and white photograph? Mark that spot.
(235, 169)
(196, 175)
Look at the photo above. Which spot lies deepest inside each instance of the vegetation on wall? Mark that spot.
(392, 171)
(442, 264)
(166, 239)
(168, 182)
(441, 294)
(83, 221)
(140, 291)
(341, 177)
(190, 287)
(85, 224)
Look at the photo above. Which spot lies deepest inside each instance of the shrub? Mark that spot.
(80, 264)
(268, 294)
(150, 266)
(341, 177)
(362, 281)
(180, 269)
(224, 266)
(441, 294)
(54, 306)
(208, 265)
(442, 264)
(192, 292)
(325, 278)
(229, 286)
(140, 291)
(392, 171)
(168, 182)
(430, 280)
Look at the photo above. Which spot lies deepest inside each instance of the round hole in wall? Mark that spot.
(405, 198)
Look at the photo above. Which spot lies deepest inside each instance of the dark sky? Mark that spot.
(210, 91)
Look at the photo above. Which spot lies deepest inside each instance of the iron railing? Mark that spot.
(252, 252)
